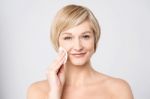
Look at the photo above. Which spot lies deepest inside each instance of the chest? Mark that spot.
(87, 93)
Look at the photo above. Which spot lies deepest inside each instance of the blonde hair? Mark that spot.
(71, 16)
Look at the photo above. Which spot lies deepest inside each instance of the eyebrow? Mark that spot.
(85, 32)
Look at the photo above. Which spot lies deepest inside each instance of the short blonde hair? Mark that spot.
(71, 16)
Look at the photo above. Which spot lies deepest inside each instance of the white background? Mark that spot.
(26, 51)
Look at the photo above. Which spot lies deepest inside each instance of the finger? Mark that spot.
(62, 54)
(57, 63)
(61, 74)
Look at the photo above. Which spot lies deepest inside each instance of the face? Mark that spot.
(79, 43)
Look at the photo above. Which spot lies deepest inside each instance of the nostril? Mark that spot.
(78, 49)
(77, 45)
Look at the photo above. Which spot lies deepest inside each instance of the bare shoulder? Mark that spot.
(118, 87)
(38, 90)
(121, 88)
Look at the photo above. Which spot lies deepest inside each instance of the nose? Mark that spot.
(77, 45)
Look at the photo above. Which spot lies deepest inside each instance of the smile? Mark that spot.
(78, 55)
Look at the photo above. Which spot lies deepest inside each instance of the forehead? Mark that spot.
(84, 27)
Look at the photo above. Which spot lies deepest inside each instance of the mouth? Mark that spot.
(78, 55)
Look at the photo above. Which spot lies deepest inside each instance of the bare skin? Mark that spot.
(76, 79)
(103, 87)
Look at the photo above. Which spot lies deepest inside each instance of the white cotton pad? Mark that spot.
(66, 55)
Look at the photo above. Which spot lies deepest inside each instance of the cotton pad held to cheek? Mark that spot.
(62, 49)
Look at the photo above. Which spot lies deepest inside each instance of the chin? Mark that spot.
(79, 62)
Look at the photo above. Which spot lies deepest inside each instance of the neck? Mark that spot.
(78, 75)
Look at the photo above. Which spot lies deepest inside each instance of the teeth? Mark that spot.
(62, 49)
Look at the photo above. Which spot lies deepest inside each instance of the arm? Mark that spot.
(56, 79)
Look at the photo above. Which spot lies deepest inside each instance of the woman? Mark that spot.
(75, 34)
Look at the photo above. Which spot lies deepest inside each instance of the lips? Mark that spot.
(78, 54)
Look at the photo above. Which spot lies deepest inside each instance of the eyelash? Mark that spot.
(70, 38)
(67, 38)
(86, 36)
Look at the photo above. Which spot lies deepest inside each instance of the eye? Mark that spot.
(67, 38)
(86, 36)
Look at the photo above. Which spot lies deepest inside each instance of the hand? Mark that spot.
(56, 75)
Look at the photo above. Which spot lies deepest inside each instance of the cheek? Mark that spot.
(89, 45)
(65, 45)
